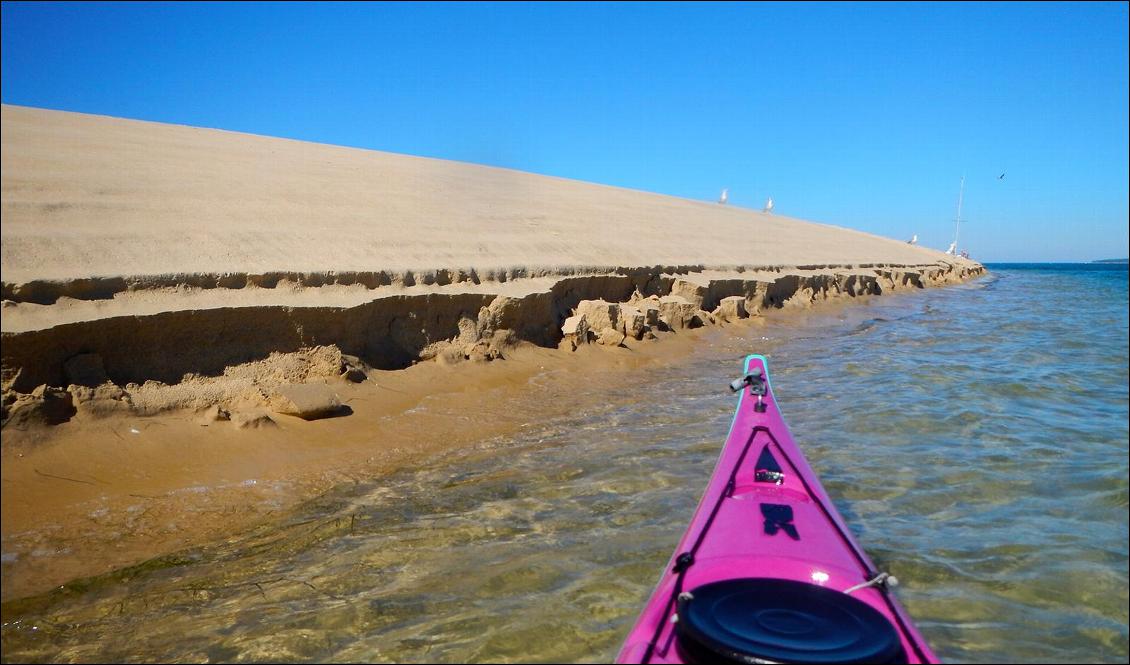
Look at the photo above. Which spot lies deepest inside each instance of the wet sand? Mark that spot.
(85, 498)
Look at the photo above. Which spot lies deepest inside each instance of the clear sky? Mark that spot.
(859, 115)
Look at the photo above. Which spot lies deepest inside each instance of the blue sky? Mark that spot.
(860, 115)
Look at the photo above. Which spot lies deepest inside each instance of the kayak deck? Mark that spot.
(767, 570)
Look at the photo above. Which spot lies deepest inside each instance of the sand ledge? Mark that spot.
(237, 356)
(50, 291)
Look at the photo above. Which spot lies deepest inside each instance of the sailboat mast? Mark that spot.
(957, 220)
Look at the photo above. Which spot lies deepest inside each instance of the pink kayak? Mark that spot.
(767, 570)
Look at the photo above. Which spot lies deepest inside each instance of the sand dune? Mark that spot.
(90, 196)
(170, 250)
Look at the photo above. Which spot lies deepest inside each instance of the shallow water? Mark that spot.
(974, 437)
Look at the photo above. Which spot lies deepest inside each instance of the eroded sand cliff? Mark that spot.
(128, 356)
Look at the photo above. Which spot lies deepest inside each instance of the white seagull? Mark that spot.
(768, 205)
(725, 196)
(913, 241)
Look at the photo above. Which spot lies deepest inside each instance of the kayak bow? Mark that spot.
(768, 570)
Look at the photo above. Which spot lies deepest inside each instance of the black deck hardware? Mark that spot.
(767, 470)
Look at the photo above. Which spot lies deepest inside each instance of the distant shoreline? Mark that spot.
(1057, 264)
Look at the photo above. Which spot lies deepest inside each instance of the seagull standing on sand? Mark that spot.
(768, 205)
(913, 241)
(725, 196)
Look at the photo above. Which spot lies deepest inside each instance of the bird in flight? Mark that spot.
(1000, 177)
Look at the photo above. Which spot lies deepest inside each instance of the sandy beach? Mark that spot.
(166, 288)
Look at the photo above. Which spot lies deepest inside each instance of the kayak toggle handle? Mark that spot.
(881, 579)
(757, 386)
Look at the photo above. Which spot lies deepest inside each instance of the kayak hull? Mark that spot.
(765, 516)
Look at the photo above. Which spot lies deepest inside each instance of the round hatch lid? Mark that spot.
(753, 620)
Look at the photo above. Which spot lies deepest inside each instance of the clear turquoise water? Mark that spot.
(974, 437)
